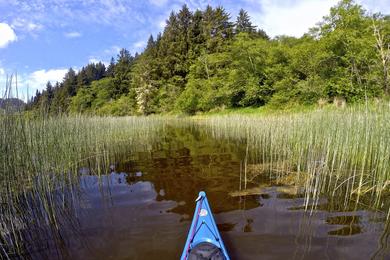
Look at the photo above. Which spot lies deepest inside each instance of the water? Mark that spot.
(142, 209)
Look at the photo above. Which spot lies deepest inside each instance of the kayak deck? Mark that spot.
(204, 240)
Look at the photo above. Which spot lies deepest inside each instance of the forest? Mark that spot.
(205, 60)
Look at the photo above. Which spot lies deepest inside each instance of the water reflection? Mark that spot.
(143, 208)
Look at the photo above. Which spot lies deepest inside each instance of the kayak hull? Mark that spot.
(203, 239)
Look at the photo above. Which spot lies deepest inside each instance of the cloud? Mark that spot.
(382, 6)
(37, 80)
(162, 23)
(22, 24)
(29, 83)
(64, 13)
(7, 35)
(292, 18)
(139, 44)
(97, 60)
(93, 60)
(113, 50)
(158, 2)
(72, 34)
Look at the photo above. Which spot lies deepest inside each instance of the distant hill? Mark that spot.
(11, 104)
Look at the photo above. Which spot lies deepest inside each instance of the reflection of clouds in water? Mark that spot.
(93, 181)
(112, 179)
(161, 193)
(114, 189)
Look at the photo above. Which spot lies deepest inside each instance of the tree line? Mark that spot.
(202, 61)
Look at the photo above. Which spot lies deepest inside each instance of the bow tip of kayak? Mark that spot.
(202, 194)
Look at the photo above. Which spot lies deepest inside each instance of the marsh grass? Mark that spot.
(344, 153)
(40, 159)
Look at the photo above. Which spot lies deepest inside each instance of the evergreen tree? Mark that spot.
(243, 23)
(122, 77)
(150, 44)
(184, 21)
(202, 60)
(110, 68)
(260, 33)
(196, 37)
(47, 97)
(217, 28)
(70, 82)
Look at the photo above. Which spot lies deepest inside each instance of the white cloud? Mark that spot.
(25, 25)
(139, 44)
(7, 35)
(97, 60)
(295, 17)
(382, 6)
(158, 2)
(113, 50)
(37, 80)
(29, 83)
(72, 34)
(93, 60)
(292, 18)
(162, 23)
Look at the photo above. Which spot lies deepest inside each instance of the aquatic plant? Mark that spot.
(344, 153)
(40, 160)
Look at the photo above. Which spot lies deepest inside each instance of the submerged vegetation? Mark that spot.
(203, 60)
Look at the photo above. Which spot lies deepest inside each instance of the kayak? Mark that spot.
(204, 240)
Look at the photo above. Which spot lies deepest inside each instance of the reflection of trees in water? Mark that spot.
(184, 161)
(383, 249)
(341, 220)
(187, 161)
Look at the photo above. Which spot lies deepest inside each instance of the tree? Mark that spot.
(243, 23)
(347, 39)
(203, 61)
(122, 77)
(110, 68)
(217, 28)
(196, 37)
(145, 87)
(381, 28)
(70, 82)
(47, 97)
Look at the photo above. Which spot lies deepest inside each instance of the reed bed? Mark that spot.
(40, 159)
(343, 153)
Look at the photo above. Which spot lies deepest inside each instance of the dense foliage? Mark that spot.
(203, 61)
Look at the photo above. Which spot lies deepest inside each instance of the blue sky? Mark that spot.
(41, 39)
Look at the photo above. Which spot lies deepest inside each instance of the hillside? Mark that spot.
(205, 60)
(12, 104)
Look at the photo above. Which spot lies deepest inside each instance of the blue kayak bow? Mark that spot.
(204, 240)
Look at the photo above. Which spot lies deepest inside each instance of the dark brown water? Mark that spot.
(143, 209)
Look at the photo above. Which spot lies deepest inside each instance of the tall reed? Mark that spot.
(40, 159)
(344, 153)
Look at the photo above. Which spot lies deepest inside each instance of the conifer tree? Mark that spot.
(110, 68)
(243, 23)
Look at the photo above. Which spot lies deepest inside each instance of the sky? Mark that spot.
(41, 39)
